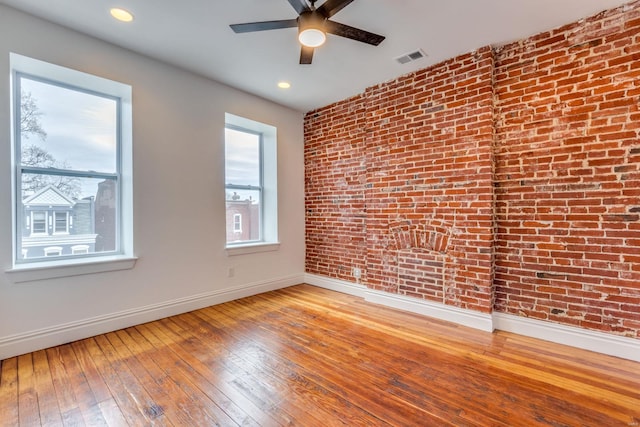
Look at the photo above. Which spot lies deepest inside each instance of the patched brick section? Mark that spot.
(424, 266)
(335, 178)
(419, 149)
(568, 174)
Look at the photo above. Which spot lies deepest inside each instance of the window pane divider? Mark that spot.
(67, 172)
(243, 187)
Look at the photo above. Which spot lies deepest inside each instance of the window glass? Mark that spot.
(39, 222)
(68, 175)
(243, 176)
(242, 157)
(67, 128)
(237, 223)
(61, 219)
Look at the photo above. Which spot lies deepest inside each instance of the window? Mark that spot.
(72, 145)
(61, 222)
(53, 251)
(237, 223)
(80, 249)
(250, 182)
(243, 172)
(39, 222)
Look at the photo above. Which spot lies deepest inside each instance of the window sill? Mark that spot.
(252, 248)
(53, 270)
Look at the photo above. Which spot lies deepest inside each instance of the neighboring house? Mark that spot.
(55, 225)
(105, 216)
(243, 219)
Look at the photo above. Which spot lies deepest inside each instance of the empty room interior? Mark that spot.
(319, 213)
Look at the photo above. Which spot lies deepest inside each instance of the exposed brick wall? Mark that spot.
(568, 174)
(429, 147)
(335, 174)
(526, 158)
(415, 151)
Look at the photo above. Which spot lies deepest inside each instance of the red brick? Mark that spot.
(534, 137)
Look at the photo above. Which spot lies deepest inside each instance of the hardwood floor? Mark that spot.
(306, 356)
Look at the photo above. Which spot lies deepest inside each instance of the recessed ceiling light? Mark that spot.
(121, 14)
(284, 85)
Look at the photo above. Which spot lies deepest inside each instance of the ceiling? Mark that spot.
(195, 35)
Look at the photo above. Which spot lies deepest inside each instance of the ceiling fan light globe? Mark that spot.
(312, 37)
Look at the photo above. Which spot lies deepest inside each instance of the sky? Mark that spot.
(242, 158)
(81, 127)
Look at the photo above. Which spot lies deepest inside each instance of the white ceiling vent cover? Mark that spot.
(411, 56)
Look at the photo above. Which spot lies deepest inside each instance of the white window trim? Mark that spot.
(269, 226)
(252, 248)
(68, 268)
(41, 270)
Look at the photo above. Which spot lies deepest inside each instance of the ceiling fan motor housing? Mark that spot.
(311, 20)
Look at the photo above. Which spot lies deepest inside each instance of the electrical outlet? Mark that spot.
(231, 272)
(357, 273)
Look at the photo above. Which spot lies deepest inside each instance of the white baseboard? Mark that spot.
(337, 285)
(460, 316)
(60, 334)
(600, 342)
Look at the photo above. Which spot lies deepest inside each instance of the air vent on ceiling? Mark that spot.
(411, 56)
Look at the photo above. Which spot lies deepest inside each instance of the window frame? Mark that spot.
(21, 169)
(259, 188)
(26, 269)
(269, 227)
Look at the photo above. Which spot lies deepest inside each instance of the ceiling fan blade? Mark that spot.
(299, 5)
(306, 55)
(331, 7)
(264, 25)
(352, 33)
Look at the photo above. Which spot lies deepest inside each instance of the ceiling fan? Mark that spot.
(313, 25)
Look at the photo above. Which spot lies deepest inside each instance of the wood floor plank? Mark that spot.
(582, 389)
(9, 392)
(123, 394)
(503, 393)
(67, 402)
(143, 403)
(107, 406)
(84, 396)
(252, 379)
(178, 386)
(224, 363)
(111, 413)
(362, 372)
(304, 356)
(29, 413)
(213, 379)
(166, 398)
(47, 399)
(201, 396)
